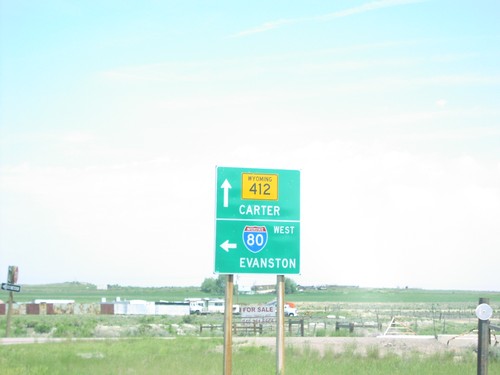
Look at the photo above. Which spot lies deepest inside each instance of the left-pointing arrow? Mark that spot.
(226, 246)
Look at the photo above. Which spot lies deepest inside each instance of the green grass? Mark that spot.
(86, 293)
(364, 295)
(204, 356)
(429, 312)
(84, 326)
(141, 351)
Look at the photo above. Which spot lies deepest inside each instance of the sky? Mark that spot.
(115, 114)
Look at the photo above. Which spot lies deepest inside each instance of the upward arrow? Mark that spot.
(226, 186)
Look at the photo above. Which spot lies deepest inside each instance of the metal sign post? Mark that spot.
(483, 313)
(228, 327)
(280, 325)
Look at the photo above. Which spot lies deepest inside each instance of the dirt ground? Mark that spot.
(400, 345)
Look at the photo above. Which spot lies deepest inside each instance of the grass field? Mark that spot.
(174, 345)
(86, 293)
(204, 356)
(428, 312)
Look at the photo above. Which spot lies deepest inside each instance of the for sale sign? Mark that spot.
(258, 313)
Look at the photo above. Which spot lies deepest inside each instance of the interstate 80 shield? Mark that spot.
(255, 237)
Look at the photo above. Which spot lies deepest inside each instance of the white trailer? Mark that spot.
(205, 305)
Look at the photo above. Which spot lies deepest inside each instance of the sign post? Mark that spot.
(12, 276)
(483, 313)
(257, 231)
(228, 327)
(280, 328)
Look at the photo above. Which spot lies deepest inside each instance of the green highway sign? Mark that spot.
(257, 221)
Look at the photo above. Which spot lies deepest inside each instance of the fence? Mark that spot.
(296, 327)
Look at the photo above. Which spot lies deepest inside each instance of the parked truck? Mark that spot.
(290, 308)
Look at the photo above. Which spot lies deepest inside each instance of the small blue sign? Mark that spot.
(255, 238)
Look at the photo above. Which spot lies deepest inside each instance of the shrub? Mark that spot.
(42, 327)
(188, 319)
(320, 332)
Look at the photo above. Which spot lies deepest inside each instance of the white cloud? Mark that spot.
(441, 103)
(77, 137)
(397, 216)
(368, 7)
(265, 27)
